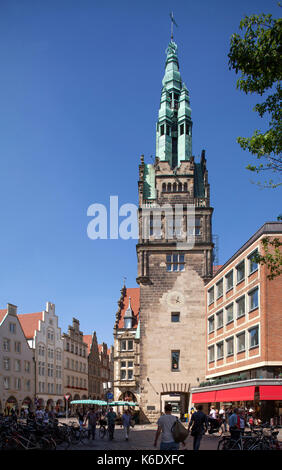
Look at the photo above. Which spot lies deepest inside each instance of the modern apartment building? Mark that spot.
(244, 330)
(17, 374)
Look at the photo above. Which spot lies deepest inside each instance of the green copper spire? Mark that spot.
(174, 126)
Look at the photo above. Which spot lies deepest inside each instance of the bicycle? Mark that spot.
(102, 431)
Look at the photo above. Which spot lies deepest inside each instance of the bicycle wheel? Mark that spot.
(224, 444)
(84, 437)
(102, 432)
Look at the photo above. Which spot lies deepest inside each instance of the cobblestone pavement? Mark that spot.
(140, 438)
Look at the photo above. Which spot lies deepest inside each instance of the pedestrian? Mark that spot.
(234, 424)
(91, 417)
(165, 423)
(199, 425)
(46, 417)
(111, 417)
(126, 418)
(80, 418)
(222, 416)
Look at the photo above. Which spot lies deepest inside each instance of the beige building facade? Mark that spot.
(17, 374)
(127, 347)
(75, 363)
(44, 336)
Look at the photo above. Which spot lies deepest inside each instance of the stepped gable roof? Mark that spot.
(30, 323)
(88, 340)
(134, 294)
(3, 314)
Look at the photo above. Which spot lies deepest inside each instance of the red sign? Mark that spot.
(67, 397)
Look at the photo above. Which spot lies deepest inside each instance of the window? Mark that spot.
(123, 345)
(6, 383)
(219, 350)
(181, 129)
(211, 353)
(240, 271)
(187, 128)
(253, 337)
(162, 129)
(229, 280)
(17, 383)
(17, 346)
(253, 266)
(128, 323)
(175, 317)
(240, 307)
(6, 344)
(167, 129)
(6, 363)
(26, 366)
(253, 299)
(229, 313)
(211, 324)
(230, 346)
(175, 263)
(219, 287)
(130, 345)
(12, 328)
(241, 342)
(197, 225)
(130, 374)
(175, 355)
(123, 374)
(27, 385)
(17, 365)
(219, 319)
(211, 295)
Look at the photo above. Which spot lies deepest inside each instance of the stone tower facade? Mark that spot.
(174, 254)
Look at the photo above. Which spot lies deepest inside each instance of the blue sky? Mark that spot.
(80, 86)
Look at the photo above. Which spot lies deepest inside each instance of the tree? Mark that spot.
(271, 257)
(257, 55)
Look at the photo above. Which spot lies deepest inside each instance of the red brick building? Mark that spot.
(243, 332)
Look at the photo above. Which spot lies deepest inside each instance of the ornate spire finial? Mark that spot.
(172, 23)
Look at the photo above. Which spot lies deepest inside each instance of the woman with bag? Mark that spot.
(199, 424)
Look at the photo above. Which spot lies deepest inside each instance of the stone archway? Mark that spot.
(11, 403)
(128, 396)
(178, 400)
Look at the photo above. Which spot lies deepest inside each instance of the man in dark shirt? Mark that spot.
(199, 423)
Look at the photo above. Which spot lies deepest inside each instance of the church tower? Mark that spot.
(174, 253)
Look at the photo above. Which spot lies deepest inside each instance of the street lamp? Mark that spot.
(107, 386)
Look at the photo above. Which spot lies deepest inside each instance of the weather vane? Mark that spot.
(172, 23)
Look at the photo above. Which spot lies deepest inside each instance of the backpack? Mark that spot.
(179, 432)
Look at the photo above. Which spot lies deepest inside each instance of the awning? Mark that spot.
(229, 394)
(203, 397)
(235, 394)
(270, 392)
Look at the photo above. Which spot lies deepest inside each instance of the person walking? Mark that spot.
(126, 418)
(91, 417)
(111, 417)
(80, 418)
(165, 423)
(234, 424)
(222, 416)
(199, 425)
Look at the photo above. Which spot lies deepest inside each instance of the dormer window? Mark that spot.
(128, 323)
(128, 316)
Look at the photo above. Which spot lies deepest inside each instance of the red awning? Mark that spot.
(230, 394)
(203, 397)
(235, 394)
(270, 392)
